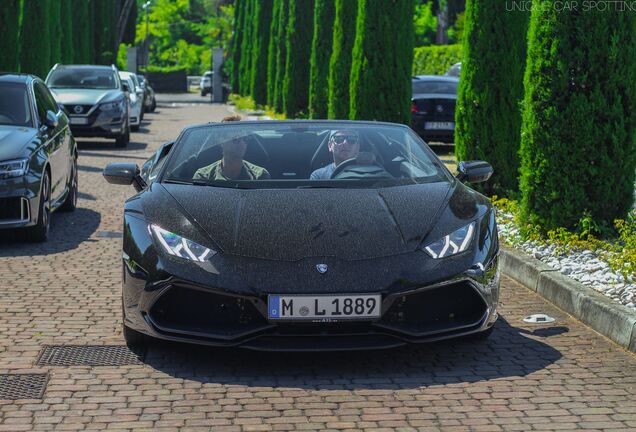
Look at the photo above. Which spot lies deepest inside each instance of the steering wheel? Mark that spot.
(367, 164)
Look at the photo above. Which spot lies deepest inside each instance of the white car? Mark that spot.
(206, 83)
(135, 98)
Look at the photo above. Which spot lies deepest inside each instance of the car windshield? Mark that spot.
(441, 87)
(302, 155)
(14, 105)
(101, 79)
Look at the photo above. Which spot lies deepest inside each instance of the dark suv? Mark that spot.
(95, 99)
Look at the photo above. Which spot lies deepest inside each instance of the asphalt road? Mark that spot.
(67, 292)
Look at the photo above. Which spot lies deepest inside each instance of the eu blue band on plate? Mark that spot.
(274, 302)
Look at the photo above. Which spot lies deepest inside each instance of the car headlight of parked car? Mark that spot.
(13, 168)
(453, 243)
(118, 105)
(179, 246)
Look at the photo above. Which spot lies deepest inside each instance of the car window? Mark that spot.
(14, 105)
(88, 78)
(378, 156)
(43, 101)
(442, 87)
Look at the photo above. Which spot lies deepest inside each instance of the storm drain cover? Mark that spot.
(22, 386)
(109, 234)
(538, 319)
(88, 355)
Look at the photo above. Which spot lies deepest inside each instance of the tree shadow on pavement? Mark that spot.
(67, 231)
(507, 353)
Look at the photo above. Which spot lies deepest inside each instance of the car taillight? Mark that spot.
(414, 107)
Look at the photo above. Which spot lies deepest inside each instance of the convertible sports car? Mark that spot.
(386, 249)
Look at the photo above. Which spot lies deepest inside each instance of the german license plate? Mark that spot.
(79, 120)
(364, 307)
(440, 125)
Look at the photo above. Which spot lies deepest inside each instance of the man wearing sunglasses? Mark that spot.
(343, 144)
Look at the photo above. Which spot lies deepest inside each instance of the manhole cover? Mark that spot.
(22, 386)
(538, 319)
(109, 234)
(88, 355)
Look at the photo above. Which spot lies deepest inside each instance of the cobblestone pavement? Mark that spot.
(67, 292)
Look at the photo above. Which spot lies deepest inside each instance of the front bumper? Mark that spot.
(180, 310)
(99, 124)
(19, 203)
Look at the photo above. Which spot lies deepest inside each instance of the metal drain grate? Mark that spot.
(22, 386)
(109, 234)
(88, 355)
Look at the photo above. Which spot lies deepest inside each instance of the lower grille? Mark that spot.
(14, 209)
(447, 308)
(190, 311)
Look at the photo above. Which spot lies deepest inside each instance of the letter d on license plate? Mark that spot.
(362, 307)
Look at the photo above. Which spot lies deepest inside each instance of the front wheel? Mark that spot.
(123, 140)
(40, 232)
(70, 203)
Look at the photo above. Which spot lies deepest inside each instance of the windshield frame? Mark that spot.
(444, 173)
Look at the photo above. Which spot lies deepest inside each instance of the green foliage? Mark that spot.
(340, 62)
(80, 27)
(456, 31)
(424, 24)
(578, 152)
(319, 63)
(66, 20)
(380, 82)
(245, 65)
(237, 41)
(104, 27)
(122, 57)
(298, 44)
(281, 55)
(258, 80)
(487, 115)
(35, 55)
(55, 38)
(271, 51)
(435, 59)
(9, 43)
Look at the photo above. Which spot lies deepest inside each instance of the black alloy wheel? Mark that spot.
(40, 231)
(70, 203)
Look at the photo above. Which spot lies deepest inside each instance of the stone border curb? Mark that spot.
(613, 320)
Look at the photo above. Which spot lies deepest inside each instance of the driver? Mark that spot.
(343, 144)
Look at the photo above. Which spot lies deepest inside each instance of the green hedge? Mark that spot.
(320, 55)
(435, 59)
(9, 21)
(344, 36)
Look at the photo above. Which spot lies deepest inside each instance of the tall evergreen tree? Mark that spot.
(488, 120)
(298, 44)
(344, 34)
(103, 19)
(245, 65)
(281, 55)
(380, 82)
(237, 40)
(35, 53)
(9, 43)
(262, 21)
(271, 51)
(320, 55)
(66, 13)
(55, 21)
(81, 27)
(578, 149)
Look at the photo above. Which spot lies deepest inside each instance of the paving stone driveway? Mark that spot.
(67, 292)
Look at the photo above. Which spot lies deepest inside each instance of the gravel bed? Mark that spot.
(584, 266)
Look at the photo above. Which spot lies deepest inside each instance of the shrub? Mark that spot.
(9, 44)
(35, 55)
(340, 62)
(319, 63)
(578, 149)
(281, 55)
(258, 79)
(237, 41)
(435, 59)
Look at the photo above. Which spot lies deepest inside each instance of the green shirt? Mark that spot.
(249, 171)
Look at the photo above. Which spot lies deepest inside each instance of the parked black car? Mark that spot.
(388, 249)
(95, 99)
(38, 157)
(150, 103)
(433, 107)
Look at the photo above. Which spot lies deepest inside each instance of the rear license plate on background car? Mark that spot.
(320, 307)
(440, 125)
(78, 120)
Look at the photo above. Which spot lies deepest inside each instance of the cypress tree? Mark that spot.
(67, 31)
(344, 34)
(35, 53)
(55, 15)
(262, 21)
(380, 82)
(578, 139)
(9, 43)
(298, 44)
(245, 65)
(488, 119)
(271, 51)
(281, 55)
(319, 63)
(237, 40)
(80, 27)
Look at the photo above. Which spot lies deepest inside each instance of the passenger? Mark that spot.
(232, 166)
(343, 144)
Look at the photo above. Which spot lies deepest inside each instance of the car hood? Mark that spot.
(85, 96)
(13, 141)
(292, 224)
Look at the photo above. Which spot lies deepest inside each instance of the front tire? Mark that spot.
(123, 140)
(40, 232)
(70, 203)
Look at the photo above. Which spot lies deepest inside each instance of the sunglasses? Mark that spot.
(340, 139)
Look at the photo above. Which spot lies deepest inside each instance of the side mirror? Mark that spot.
(474, 171)
(51, 121)
(124, 174)
(125, 86)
